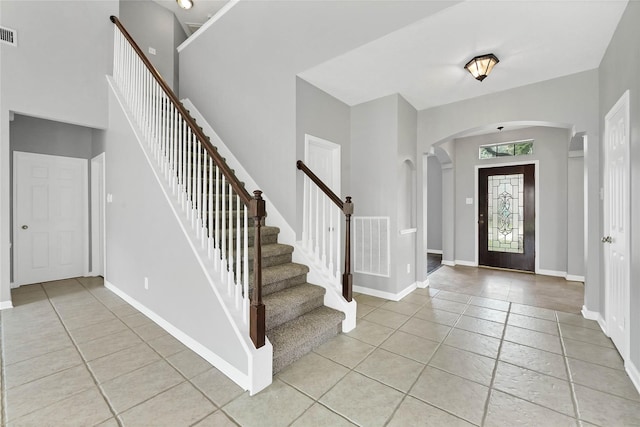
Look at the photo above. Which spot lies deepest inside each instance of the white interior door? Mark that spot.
(50, 218)
(616, 223)
(323, 158)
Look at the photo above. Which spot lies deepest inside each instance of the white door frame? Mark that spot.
(536, 164)
(98, 215)
(622, 103)
(85, 210)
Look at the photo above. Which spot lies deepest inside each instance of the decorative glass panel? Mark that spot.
(517, 148)
(505, 213)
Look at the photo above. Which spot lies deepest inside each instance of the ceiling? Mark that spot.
(535, 40)
(198, 14)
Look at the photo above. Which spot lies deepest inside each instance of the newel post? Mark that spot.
(257, 311)
(347, 279)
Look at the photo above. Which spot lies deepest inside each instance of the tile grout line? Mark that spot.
(440, 344)
(565, 358)
(495, 369)
(75, 345)
(161, 358)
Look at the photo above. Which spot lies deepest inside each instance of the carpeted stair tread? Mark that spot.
(290, 303)
(281, 276)
(297, 337)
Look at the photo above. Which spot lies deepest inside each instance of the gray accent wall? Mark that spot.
(620, 71)
(242, 78)
(323, 116)
(383, 135)
(434, 204)
(570, 101)
(154, 26)
(57, 72)
(551, 151)
(145, 239)
(65, 49)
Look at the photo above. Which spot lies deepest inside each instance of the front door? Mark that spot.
(616, 223)
(50, 217)
(506, 217)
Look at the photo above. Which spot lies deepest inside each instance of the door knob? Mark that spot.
(607, 239)
(24, 227)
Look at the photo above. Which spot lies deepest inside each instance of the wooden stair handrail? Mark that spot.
(256, 204)
(347, 209)
(197, 130)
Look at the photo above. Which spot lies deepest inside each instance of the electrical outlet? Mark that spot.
(152, 51)
(146, 283)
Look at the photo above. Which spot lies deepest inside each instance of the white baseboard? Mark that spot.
(634, 374)
(232, 372)
(552, 273)
(594, 315)
(424, 284)
(448, 262)
(434, 251)
(574, 278)
(5, 305)
(386, 295)
(465, 263)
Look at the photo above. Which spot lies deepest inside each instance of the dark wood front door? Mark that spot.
(506, 217)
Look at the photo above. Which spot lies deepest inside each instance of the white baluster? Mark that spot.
(324, 231)
(216, 239)
(223, 233)
(245, 293)
(239, 254)
(317, 231)
(332, 233)
(198, 208)
(210, 202)
(229, 218)
(305, 212)
(203, 200)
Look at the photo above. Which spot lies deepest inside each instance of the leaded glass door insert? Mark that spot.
(506, 217)
(506, 213)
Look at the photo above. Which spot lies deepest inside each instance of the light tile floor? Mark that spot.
(74, 354)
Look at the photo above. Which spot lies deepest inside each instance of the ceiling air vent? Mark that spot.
(8, 36)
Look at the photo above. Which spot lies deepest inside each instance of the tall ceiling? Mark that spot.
(194, 17)
(535, 40)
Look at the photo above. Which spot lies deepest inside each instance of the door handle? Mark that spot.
(24, 227)
(607, 239)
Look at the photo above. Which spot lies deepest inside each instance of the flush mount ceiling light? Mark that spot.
(481, 66)
(185, 4)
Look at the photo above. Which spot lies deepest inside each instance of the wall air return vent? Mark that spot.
(8, 36)
(371, 245)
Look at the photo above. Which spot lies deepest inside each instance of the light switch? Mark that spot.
(469, 200)
(152, 51)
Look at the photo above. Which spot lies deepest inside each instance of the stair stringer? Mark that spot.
(258, 372)
(333, 297)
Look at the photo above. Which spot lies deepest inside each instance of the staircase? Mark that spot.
(221, 213)
(296, 319)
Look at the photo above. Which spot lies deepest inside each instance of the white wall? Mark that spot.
(619, 71)
(144, 239)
